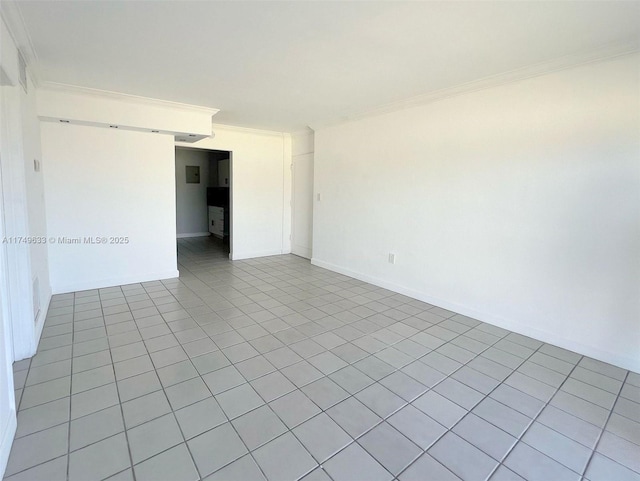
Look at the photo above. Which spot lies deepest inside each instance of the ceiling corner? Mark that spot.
(12, 16)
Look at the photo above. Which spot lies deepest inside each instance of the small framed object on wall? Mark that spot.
(193, 174)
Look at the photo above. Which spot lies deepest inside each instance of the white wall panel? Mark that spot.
(518, 205)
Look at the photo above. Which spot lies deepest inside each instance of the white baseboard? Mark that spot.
(6, 440)
(252, 255)
(195, 234)
(624, 362)
(116, 281)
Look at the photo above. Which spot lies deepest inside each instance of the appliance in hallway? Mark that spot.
(219, 196)
(218, 206)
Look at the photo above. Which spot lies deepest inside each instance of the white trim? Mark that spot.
(194, 234)
(7, 348)
(115, 281)
(247, 130)
(297, 249)
(6, 440)
(88, 123)
(252, 255)
(605, 52)
(135, 99)
(509, 324)
(14, 21)
(287, 207)
(18, 261)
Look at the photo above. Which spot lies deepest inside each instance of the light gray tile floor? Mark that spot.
(273, 369)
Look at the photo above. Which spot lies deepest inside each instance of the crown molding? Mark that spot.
(249, 130)
(12, 16)
(603, 53)
(108, 94)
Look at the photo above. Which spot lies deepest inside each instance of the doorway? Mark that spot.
(302, 195)
(203, 200)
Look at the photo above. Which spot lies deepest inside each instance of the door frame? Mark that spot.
(207, 149)
(7, 345)
(306, 154)
(19, 283)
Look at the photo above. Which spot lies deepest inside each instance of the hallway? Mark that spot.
(275, 369)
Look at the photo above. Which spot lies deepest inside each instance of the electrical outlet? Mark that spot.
(319, 197)
(36, 165)
(392, 258)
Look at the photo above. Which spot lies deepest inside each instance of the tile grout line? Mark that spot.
(73, 335)
(353, 395)
(322, 411)
(231, 363)
(398, 369)
(533, 420)
(475, 405)
(230, 421)
(307, 337)
(249, 451)
(115, 378)
(108, 407)
(603, 429)
(162, 388)
(180, 427)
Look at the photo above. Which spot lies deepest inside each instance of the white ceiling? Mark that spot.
(284, 65)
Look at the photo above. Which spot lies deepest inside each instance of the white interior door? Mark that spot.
(302, 229)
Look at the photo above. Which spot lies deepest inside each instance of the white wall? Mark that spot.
(302, 194)
(111, 183)
(518, 205)
(260, 190)
(102, 181)
(191, 199)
